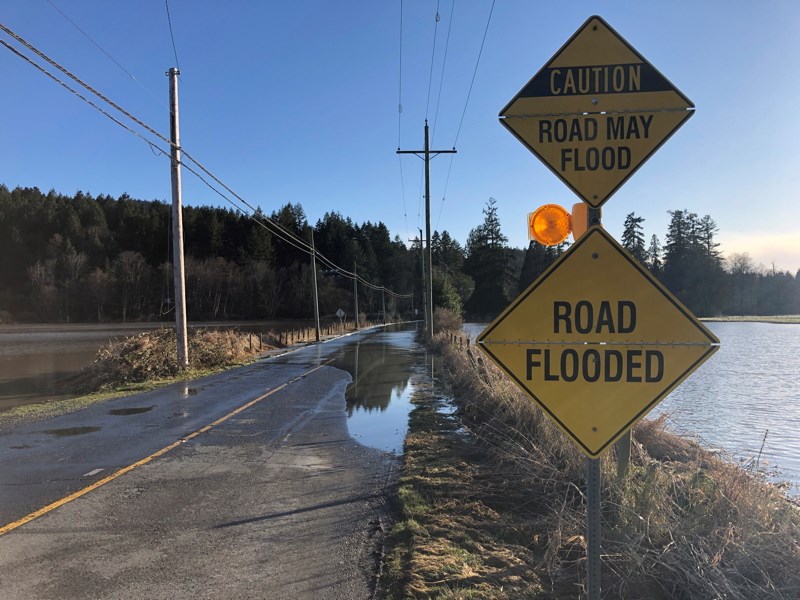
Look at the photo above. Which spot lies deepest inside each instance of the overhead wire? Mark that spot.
(400, 120)
(128, 115)
(474, 73)
(276, 229)
(464, 112)
(444, 65)
(433, 56)
(172, 36)
(104, 51)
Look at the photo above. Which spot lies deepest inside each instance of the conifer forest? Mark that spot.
(98, 259)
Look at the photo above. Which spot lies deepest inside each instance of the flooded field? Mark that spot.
(35, 358)
(745, 400)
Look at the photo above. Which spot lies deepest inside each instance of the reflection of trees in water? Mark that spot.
(378, 372)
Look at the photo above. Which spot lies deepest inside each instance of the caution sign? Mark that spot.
(596, 112)
(597, 341)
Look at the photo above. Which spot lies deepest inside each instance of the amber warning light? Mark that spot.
(551, 224)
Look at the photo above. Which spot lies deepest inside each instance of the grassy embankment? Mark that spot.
(496, 509)
(147, 361)
(791, 319)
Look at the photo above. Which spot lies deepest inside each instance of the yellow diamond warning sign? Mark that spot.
(597, 341)
(596, 112)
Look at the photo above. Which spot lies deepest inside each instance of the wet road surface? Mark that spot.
(275, 501)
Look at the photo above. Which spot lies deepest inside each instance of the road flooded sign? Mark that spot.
(597, 341)
(596, 112)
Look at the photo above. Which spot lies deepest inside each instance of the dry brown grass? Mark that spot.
(152, 356)
(684, 524)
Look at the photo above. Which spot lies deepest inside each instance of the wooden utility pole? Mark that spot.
(177, 223)
(424, 281)
(314, 279)
(355, 292)
(426, 156)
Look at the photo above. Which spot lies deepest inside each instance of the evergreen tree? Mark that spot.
(538, 258)
(633, 237)
(692, 265)
(487, 263)
(654, 256)
(448, 255)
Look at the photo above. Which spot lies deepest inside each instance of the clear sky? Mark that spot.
(298, 102)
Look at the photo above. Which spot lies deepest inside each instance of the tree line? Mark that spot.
(93, 259)
(83, 259)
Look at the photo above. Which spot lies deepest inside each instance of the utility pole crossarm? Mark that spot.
(422, 152)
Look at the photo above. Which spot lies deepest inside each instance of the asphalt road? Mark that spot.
(274, 501)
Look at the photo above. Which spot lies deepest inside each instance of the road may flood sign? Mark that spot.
(597, 341)
(596, 112)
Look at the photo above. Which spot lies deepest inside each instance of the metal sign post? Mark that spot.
(593, 528)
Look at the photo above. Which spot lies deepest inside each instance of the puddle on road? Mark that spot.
(379, 397)
(130, 411)
(71, 431)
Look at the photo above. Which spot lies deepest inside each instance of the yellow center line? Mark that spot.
(82, 492)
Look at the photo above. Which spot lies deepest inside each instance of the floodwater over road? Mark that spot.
(35, 358)
(379, 397)
(746, 395)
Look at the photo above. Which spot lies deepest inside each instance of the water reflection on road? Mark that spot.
(379, 397)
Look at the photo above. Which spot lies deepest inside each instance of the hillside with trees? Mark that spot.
(96, 259)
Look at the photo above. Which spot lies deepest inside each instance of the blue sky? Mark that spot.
(298, 102)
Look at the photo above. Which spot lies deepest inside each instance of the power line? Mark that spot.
(475, 72)
(276, 229)
(103, 50)
(433, 55)
(171, 35)
(78, 94)
(466, 104)
(127, 114)
(444, 64)
(400, 119)
(400, 82)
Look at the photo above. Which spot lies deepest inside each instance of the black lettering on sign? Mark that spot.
(532, 364)
(581, 129)
(569, 365)
(591, 365)
(612, 367)
(654, 366)
(629, 127)
(586, 319)
(593, 158)
(594, 365)
(633, 366)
